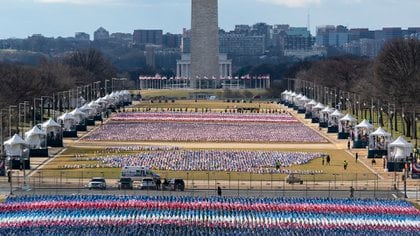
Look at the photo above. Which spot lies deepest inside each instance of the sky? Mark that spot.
(53, 18)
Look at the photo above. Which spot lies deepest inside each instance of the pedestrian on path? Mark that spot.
(357, 156)
(328, 159)
(345, 164)
(219, 191)
(348, 144)
(323, 160)
(351, 192)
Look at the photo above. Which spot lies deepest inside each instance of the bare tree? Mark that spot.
(397, 71)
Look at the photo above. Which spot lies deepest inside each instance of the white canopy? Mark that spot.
(94, 104)
(35, 131)
(400, 142)
(285, 92)
(400, 148)
(50, 123)
(66, 116)
(36, 138)
(327, 110)
(337, 114)
(78, 114)
(312, 103)
(319, 106)
(365, 124)
(348, 118)
(15, 140)
(15, 146)
(380, 132)
(86, 107)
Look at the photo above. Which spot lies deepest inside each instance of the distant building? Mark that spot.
(370, 47)
(101, 34)
(82, 36)
(143, 37)
(323, 35)
(151, 55)
(298, 38)
(123, 37)
(331, 36)
(186, 41)
(171, 40)
(391, 33)
(242, 29)
(242, 45)
(263, 29)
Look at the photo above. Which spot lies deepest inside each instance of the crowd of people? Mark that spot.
(203, 117)
(205, 160)
(175, 215)
(205, 132)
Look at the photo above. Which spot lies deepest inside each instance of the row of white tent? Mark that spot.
(39, 136)
(379, 139)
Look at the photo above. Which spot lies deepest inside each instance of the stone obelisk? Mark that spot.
(204, 40)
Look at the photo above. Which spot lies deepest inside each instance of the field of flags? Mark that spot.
(206, 127)
(175, 215)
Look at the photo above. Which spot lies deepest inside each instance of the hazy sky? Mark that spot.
(20, 18)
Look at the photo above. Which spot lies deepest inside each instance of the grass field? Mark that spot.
(330, 173)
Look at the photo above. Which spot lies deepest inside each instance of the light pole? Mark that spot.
(118, 79)
(96, 86)
(34, 110)
(10, 119)
(106, 87)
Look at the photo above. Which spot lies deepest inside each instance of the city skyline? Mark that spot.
(54, 18)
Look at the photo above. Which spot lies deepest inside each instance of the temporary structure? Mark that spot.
(400, 149)
(37, 141)
(378, 143)
(15, 146)
(36, 138)
(78, 114)
(68, 121)
(346, 124)
(363, 130)
(17, 153)
(54, 133)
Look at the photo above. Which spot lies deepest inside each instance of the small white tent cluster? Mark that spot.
(17, 153)
(37, 141)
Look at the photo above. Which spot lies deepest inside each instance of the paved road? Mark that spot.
(205, 193)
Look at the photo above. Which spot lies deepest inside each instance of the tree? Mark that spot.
(93, 62)
(397, 71)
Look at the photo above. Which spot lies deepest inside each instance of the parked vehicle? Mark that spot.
(293, 179)
(173, 185)
(138, 173)
(97, 183)
(125, 183)
(148, 183)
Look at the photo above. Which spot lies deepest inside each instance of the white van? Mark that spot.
(137, 173)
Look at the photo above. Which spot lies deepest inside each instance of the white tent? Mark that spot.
(36, 138)
(325, 114)
(379, 139)
(316, 110)
(363, 130)
(310, 105)
(400, 149)
(15, 146)
(302, 101)
(346, 124)
(78, 114)
(334, 118)
(68, 121)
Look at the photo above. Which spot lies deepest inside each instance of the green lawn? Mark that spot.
(330, 173)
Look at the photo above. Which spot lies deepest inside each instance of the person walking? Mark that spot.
(328, 159)
(345, 164)
(348, 144)
(351, 192)
(357, 156)
(219, 191)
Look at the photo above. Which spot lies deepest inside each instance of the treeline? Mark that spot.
(20, 83)
(393, 78)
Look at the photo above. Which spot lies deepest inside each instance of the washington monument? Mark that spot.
(204, 40)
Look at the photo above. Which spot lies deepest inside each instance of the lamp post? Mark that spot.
(117, 79)
(10, 119)
(96, 86)
(106, 87)
(34, 110)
